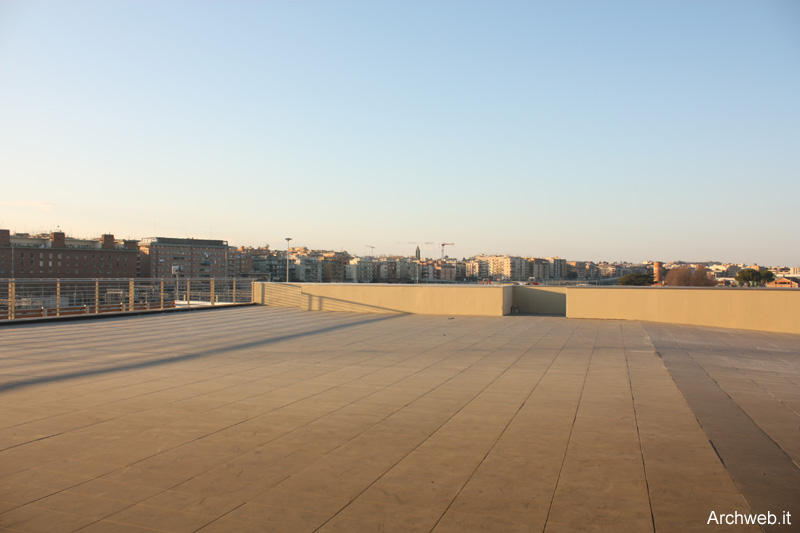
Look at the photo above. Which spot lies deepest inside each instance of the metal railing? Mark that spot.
(35, 298)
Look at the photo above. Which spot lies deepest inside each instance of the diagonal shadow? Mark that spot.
(12, 385)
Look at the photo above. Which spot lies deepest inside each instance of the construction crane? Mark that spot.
(372, 250)
(443, 244)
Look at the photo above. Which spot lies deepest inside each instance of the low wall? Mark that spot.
(476, 300)
(775, 310)
(756, 309)
(532, 299)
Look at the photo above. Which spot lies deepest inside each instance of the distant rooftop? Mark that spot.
(183, 242)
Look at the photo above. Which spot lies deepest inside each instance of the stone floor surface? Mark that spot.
(268, 419)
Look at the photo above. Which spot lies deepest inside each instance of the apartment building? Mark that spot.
(558, 269)
(540, 269)
(408, 271)
(361, 270)
(307, 269)
(167, 257)
(55, 255)
(240, 261)
(505, 267)
(333, 266)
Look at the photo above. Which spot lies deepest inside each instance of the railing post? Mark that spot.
(96, 296)
(188, 293)
(234, 290)
(252, 291)
(211, 296)
(58, 297)
(12, 299)
(161, 297)
(130, 295)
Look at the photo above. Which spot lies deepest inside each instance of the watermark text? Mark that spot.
(737, 518)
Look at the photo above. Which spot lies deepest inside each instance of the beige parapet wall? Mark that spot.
(739, 308)
(756, 309)
(533, 299)
(475, 300)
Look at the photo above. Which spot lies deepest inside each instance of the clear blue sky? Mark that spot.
(589, 130)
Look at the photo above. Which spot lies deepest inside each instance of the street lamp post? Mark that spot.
(287, 258)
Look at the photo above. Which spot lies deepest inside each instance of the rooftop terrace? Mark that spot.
(275, 419)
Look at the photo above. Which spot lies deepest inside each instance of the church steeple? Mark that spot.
(416, 254)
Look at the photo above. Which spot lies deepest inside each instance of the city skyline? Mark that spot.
(425, 257)
(589, 131)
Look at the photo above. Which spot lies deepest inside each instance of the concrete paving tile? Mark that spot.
(46, 478)
(150, 475)
(278, 519)
(422, 484)
(226, 525)
(159, 518)
(24, 457)
(103, 488)
(459, 522)
(72, 466)
(510, 485)
(7, 506)
(211, 487)
(370, 516)
(302, 501)
(22, 494)
(35, 520)
(80, 504)
(333, 475)
(107, 526)
(591, 527)
(266, 470)
(213, 505)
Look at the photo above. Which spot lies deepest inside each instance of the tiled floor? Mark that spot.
(266, 419)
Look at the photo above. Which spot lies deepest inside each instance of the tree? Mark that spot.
(679, 277)
(685, 276)
(748, 277)
(636, 279)
(752, 277)
(700, 278)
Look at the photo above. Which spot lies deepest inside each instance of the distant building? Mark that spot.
(240, 261)
(658, 272)
(558, 267)
(333, 266)
(407, 270)
(167, 257)
(785, 283)
(364, 271)
(539, 269)
(270, 266)
(386, 270)
(55, 255)
(582, 270)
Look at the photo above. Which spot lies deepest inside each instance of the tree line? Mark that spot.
(686, 276)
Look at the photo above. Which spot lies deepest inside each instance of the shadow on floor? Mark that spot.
(12, 385)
